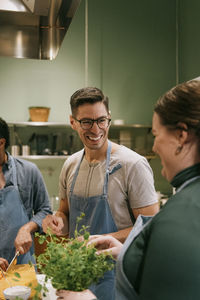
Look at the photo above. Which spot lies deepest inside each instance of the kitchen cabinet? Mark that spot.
(54, 140)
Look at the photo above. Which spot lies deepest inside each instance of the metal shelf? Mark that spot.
(39, 124)
(149, 157)
(34, 157)
(68, 125)
(121, 132)
(130, 126)
(42, 156)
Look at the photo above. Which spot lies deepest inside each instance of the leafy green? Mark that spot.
(71, 264)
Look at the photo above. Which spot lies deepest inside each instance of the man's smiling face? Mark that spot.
(95, 137)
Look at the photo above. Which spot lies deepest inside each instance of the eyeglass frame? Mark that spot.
(92, 122)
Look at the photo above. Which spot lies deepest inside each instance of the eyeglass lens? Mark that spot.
(102, 123)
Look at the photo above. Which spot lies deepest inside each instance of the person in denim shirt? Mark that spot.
(24, 202)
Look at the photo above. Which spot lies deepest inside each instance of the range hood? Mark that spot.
(34, 28)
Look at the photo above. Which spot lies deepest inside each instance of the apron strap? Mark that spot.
(76, 173)
(105, 186)
(14, 172)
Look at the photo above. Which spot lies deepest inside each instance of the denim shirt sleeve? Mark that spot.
(33, 191)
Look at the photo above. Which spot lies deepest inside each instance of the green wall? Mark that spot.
(136, 54)
(189, 44)
(132, 57)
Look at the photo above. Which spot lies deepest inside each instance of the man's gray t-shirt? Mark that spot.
(133, 181)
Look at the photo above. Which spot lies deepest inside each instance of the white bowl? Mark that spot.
(21, 291)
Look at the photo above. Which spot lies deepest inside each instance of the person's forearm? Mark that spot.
(23, 240)
(30, 227)
(121, 235)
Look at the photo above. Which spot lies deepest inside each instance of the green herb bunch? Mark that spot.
(71, 264)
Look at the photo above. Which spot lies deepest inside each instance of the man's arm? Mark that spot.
(150, 210)
(141, 191)
(121, 235)
(23, 239)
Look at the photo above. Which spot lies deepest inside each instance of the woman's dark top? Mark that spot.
(163, 263)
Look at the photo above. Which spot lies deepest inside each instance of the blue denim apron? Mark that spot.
(99, 219)
(124, 289)
(12, 216)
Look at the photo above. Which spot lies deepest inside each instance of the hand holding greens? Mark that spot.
(71, 264)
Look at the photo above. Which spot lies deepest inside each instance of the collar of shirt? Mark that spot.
(7, 170)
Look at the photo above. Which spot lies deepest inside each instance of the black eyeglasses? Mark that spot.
(102, 122)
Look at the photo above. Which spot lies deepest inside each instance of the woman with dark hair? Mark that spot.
(160, 258)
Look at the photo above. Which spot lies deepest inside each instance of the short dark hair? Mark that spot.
(4, 132)
(181, 104)
(87, 95)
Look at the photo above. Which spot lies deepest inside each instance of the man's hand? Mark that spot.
(23, 240)
(69, 295)
(54, 223)
(3, 264)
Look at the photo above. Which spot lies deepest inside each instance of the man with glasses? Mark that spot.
(110, 183)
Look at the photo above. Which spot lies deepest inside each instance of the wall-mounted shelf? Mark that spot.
(59, 138)
(150, 157)
(62, 124)
(34, 157)
(124, 126)
(39, 124)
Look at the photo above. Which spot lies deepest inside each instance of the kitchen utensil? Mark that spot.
(15, 150)
(57, 144)
(20, 291)
(2, 273)
(42, 142)
(118, 122)
(5, 277)
(13, 261)
(25, 150)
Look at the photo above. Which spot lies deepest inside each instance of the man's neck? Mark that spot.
(96, 155)
(93, 156)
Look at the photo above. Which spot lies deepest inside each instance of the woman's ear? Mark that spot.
(182, 133)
